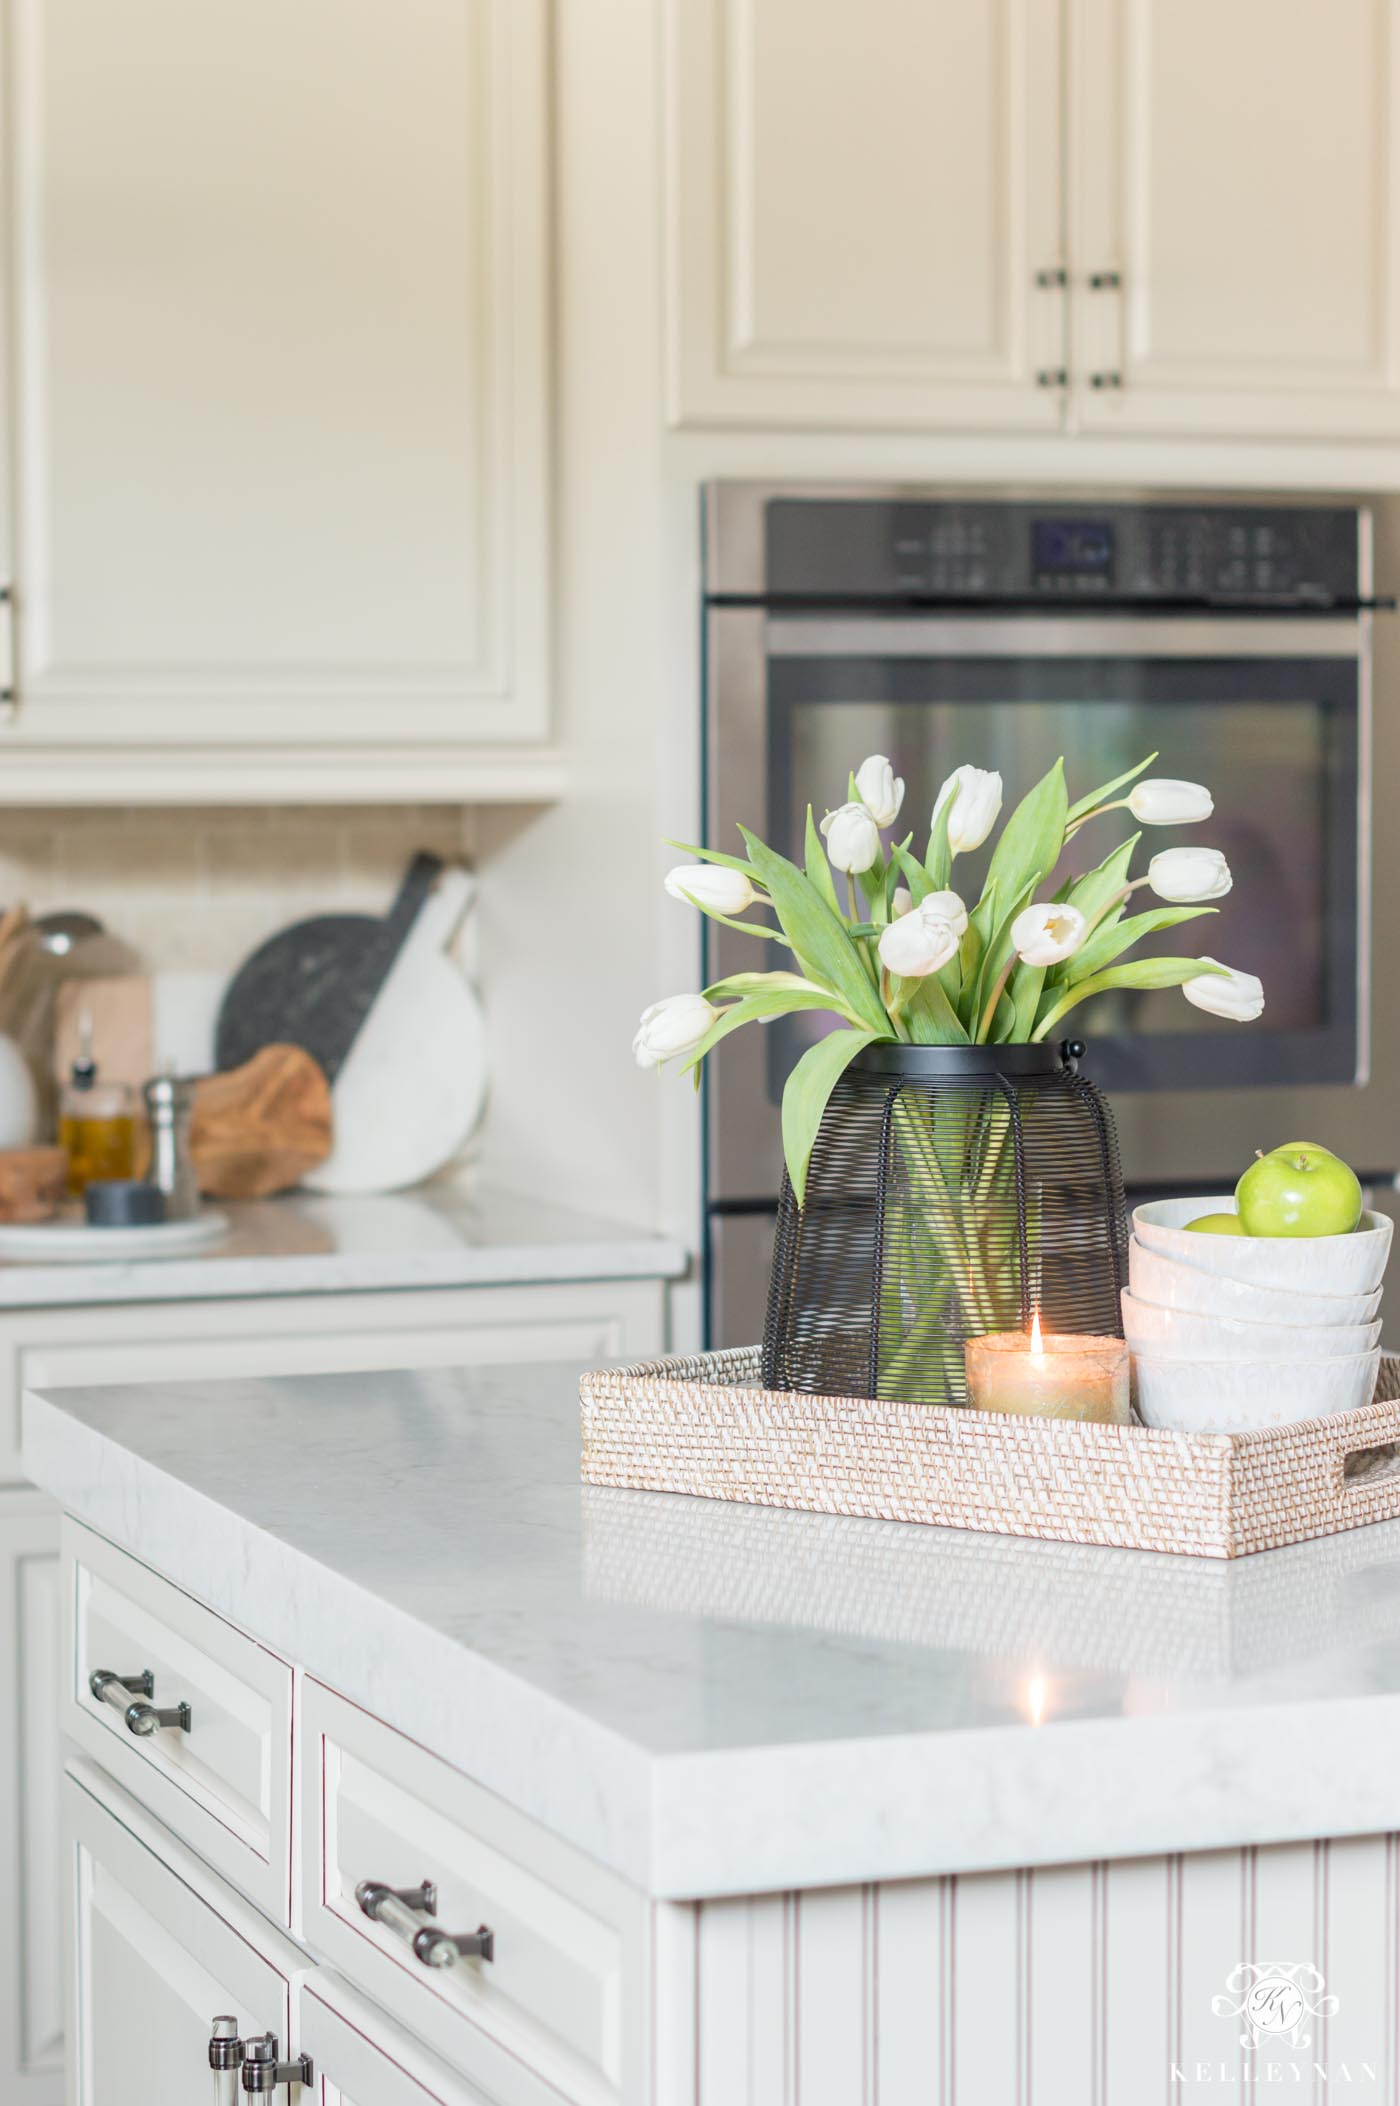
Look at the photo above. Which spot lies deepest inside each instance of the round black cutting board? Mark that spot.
(314, 984)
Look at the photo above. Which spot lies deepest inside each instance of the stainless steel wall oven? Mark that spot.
(1231, 635)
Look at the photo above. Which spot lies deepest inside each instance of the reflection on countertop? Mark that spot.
(440, 1235)
(1061, 1606)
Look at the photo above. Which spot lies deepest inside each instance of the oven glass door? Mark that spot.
(1268, 714)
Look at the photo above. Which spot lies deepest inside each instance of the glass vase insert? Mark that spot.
(954, 1191)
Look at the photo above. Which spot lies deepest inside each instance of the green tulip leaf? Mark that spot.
(817, 935)
(807, 1093)
(914, 875)
(713, 855)
(754, 1007)
(1092, 893)
(1096, 797)
(740, 985)
(929, 1016)
(938, 860)
(1024, 991)
(1032, 838)
(1110, 942)
(819, 865)
(1141, 972)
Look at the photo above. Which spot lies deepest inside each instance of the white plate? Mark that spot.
(78, 1243)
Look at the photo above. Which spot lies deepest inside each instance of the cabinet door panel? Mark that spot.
(31, 1937)
(361, 2059)
(1236, 167)
(279, 389)
(160, 1949)
(861, 200)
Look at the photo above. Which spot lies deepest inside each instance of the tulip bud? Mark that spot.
(1187, 874)
(879, 789)
(919, 942)
(901, 903)
(852, 838)
(1235, 995)
(1166, 802)
(1046, 933)
(946, 906)
(673, 1026)
(976, 795)
(711, 885)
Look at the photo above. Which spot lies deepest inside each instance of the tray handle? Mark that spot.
(1370, 1465)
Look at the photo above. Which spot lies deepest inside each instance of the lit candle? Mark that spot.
(1054, 1375)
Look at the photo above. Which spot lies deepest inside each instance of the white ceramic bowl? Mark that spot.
(1172, 1285)
(1351, 1264)
(1240, 1396)
(1179, 1334)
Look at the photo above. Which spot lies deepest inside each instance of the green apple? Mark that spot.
(1217, 1225)
(1299, 1190)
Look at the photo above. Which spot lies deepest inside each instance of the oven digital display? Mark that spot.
(1072, 545)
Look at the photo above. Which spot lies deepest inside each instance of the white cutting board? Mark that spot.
(413, 1082)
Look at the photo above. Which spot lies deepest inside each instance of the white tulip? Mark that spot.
(920, 941)
(675, 1025)
(1186, 874)
(946, 906)
(852, 838)
(1165, 802)
(901, 903)
(976, 794)
(879, 789)
(1047, 933)
(711, 885)
(1238, 996)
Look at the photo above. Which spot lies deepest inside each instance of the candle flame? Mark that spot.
(1037, 1342)
(1037, 1699)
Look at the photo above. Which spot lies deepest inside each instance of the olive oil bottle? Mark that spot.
(96, 1120)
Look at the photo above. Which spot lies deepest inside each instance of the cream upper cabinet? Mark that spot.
(278, 380)
(1112, 215)
(1236, 169)
(862, 201)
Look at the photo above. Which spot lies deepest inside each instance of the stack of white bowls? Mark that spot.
(1230, 1333)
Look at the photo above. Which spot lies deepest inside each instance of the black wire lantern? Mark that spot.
(953, 1191)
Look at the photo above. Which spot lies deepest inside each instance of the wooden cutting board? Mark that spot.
(258, 1129)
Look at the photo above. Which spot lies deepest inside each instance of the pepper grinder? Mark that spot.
(169, 1102)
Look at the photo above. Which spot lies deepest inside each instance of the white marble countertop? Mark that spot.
(304, 1243)
(715, 1699)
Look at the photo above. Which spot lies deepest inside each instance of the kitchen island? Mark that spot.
(853, 1810)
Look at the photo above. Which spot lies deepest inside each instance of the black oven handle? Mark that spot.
(1255, 607)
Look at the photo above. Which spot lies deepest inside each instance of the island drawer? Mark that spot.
(561, 1986)
(214, 1763)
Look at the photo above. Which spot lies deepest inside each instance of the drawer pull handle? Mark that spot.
(400, 1910)
(263, 2072)
(122, 1691)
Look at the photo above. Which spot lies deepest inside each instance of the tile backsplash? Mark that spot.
(195, 889)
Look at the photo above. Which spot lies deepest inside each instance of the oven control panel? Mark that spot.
(1073, 553)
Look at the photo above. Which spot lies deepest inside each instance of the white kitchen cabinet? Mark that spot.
(360, 2059)
(160, 1949)
(1235, 176)
(278, 312)
(1129, 215)
(584, 1323)
(31, 1941)
(862, 199)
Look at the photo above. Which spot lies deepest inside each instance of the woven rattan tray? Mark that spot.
(705, 1427)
